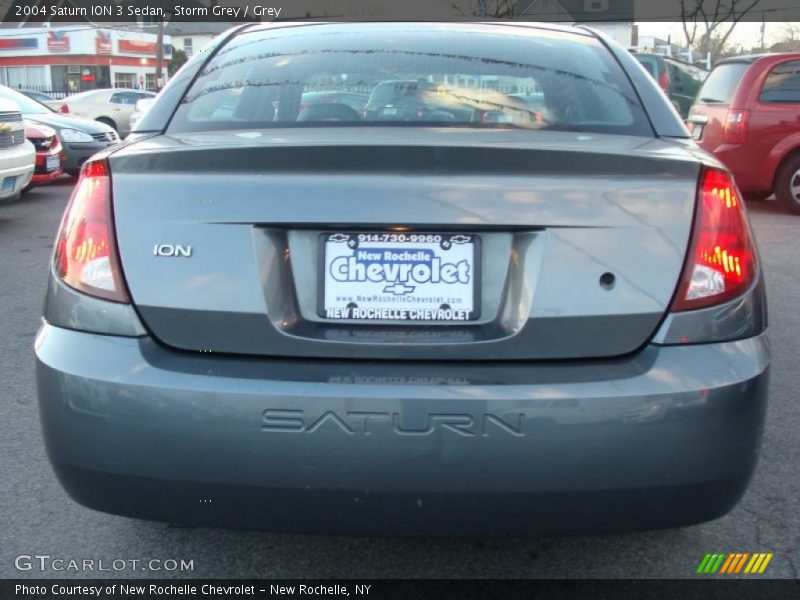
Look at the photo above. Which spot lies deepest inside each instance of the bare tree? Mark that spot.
(789, 40)
(708, 24)
(491, 9)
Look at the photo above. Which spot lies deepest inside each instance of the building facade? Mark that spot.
(80, 57)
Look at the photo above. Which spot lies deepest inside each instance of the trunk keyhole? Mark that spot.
(607, 281)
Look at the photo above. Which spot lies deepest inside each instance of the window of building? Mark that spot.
(24, 77)
(188, 46)
(125, 80)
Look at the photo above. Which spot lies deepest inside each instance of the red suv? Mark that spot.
(747, 114)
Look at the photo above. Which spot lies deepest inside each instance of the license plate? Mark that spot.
(390, 111)
(8, 183)
(52, 163)
(409, 277)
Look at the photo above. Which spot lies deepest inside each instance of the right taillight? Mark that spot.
(86, 250)
(721, 262)
(63, 109)
(736, 127)
(663, 80)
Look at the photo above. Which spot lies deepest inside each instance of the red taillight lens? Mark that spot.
(86, 251)
(63, 108)
(721, 263)
(663, 80)
(736, 127)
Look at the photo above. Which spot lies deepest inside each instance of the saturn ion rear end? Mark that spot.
(510, 299)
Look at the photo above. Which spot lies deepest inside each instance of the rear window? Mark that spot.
(721, 83)
(782, 83)
(439, 75)
(649, 63)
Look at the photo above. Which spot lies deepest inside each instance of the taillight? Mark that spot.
(63, 108)
(736, 127)
(721, 263)
(663, 80)
(86, 251)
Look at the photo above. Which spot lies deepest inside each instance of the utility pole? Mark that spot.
(160, 51)
(481, 8)
(763, 25)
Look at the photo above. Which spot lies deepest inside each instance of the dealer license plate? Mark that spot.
(400, 276)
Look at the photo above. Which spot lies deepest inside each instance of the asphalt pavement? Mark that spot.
(37, 518)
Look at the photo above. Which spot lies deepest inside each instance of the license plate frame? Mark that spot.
(457, 243)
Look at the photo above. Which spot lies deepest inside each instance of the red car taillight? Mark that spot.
(736, 127)
(663, 80)
(86, 250)
(63, 108)
(721, 263)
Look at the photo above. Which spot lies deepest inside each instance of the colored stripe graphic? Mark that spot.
(765, 563)
(703, 563)
(735, 562)
(727, 564)
(741, 562)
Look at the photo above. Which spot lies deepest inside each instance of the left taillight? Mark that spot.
(86, 255)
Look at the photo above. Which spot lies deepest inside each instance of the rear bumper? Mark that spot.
(666, 438)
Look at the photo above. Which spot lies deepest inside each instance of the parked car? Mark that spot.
(17, 156)
(141, 107)
(80, 138)
(679, 80)
(38, 96)
(747, 115)
(48, 152)
(112, 107)
(409, 327)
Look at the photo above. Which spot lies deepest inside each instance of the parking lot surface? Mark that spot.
(39, 519)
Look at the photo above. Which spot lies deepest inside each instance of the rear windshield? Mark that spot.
(444, 75)
(721, 83)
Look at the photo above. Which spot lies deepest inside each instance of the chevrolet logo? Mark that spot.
(399, 289)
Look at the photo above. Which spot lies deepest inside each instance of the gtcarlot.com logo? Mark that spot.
(45, 562)
(735, 562)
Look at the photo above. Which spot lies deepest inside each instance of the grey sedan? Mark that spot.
(81, 138)
(451, 318)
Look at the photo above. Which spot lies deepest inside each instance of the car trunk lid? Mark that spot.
(581, 237)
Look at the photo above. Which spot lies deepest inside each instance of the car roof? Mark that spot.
(751, 58)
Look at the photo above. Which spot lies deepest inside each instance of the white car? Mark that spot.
(17, 154)
(110, 106)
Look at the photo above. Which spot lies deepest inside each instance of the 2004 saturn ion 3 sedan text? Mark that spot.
(457, 314)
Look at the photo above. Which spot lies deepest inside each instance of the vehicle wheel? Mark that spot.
(787, 185)
(107, 121)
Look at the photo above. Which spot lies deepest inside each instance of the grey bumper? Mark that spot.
(665, 438)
